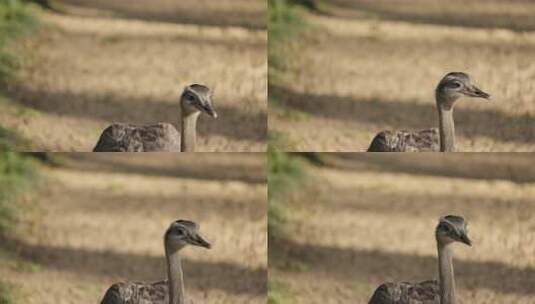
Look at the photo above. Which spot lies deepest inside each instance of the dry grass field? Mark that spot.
(368, 65)
(366, 219)
(116, 61)
(101, 218)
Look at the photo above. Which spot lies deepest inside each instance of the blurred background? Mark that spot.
(73, 224)
(349, 222)
(343, 70)
(69, 68)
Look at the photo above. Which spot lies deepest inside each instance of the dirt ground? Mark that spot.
(369, 66)
(101, 218)
(113, 61)
(367, 219)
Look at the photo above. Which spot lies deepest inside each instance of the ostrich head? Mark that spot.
(183, 232)
(452, 228)
(455, 85)
(197, 98)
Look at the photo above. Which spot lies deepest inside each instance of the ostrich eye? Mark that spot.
(455, 85)
(190, 97)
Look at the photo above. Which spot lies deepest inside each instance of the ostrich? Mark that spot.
(121, 137)
(179, 234)
(450, 229)
(453, 86)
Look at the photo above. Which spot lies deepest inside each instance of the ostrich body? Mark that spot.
(177, 236)
(450, 229)
(122, 137)
(452, 87)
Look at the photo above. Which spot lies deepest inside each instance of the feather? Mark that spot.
(406, 141)
(121, 137)
(426, 292)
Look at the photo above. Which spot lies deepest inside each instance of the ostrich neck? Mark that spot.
(446, 128)
(446, 277)
(175, 278)
(189, 132)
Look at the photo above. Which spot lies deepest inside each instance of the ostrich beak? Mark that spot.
(208, 108)
(466, 240)
(474, 91)
(197, 240)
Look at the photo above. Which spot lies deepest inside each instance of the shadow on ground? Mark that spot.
(139, 110)
(410, 115)
(224, 276)
(180, 205)
(384, 202)
(480, 14)
(222, 41)
(459, 165)
(10, 138)
(351, 265)
(243, 13)
(210, 168)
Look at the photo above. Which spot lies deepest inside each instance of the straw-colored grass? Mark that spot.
(369, 66)
(102, 219)
(121, 63)
(370, 219)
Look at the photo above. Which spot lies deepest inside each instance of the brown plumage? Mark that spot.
(406, 141)
(179, 234)
(450, 88)
(426, 292)
(450, 229)
(161, 137)
(120, 137)
(137, 293)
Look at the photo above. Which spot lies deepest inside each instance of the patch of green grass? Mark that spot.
(279, 293)
(8, 64)
(6, 293)
(279, 141)
(285, 173)
(9, 138)
(286, 22)
(278, 216)
(17, 175)
(50, 4)
(17, 172)
(16, 19)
